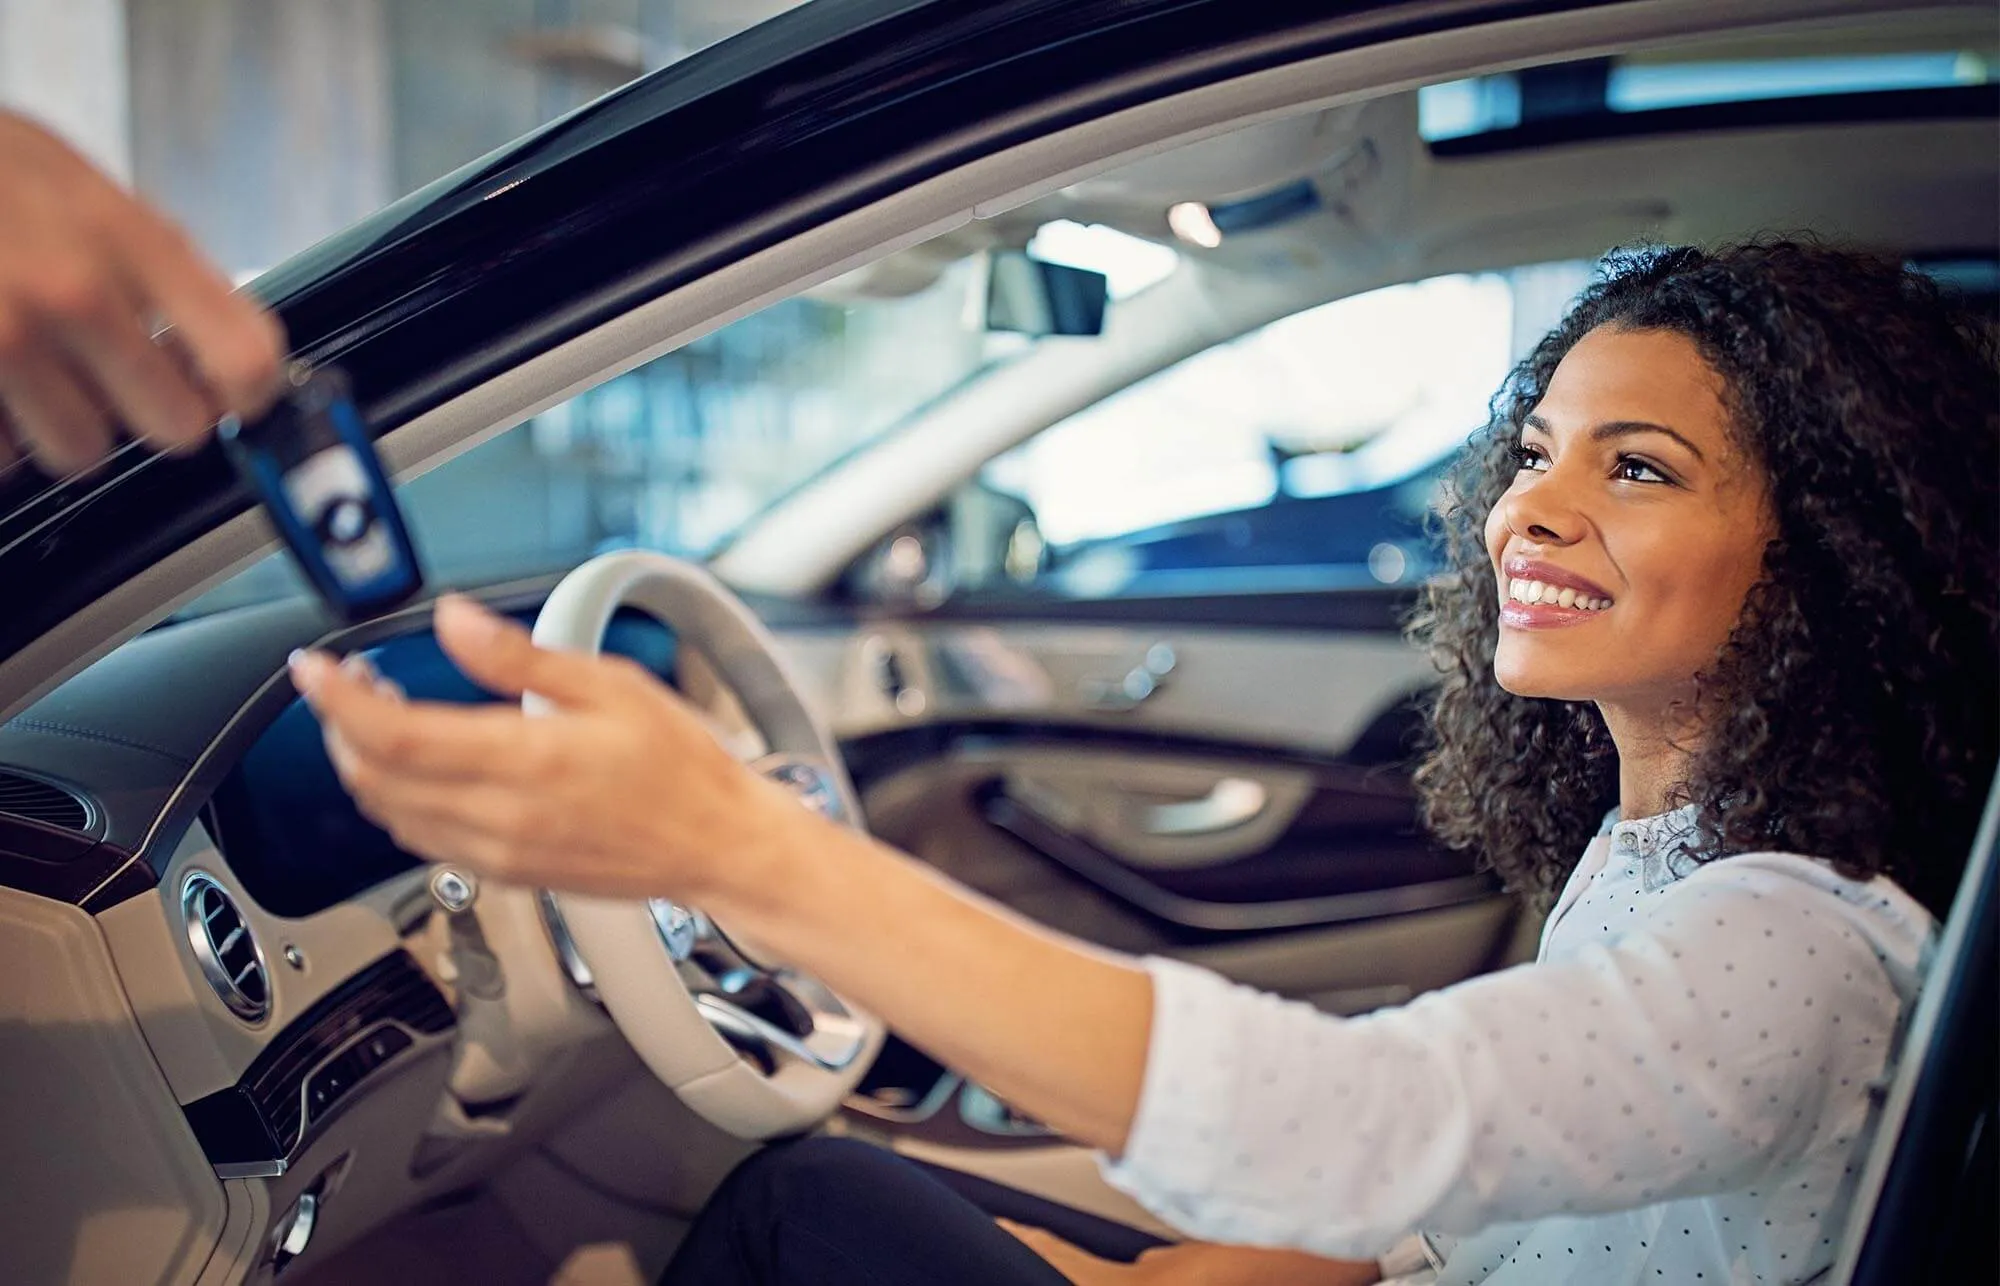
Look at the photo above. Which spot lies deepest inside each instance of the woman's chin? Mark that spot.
(1542, 681)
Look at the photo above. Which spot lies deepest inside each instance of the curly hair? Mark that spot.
(1851, 715)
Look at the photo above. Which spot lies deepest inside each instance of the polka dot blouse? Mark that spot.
(1679, 1089)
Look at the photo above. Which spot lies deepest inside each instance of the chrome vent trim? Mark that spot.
(225, 948)
(41, 801)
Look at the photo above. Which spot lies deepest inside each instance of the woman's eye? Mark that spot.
(1529, 459)
(1632, 469)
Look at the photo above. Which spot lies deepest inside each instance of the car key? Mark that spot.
(311, 464)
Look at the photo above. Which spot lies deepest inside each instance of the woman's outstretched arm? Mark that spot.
(623, 791)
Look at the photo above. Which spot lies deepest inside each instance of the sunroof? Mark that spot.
(1483, 104)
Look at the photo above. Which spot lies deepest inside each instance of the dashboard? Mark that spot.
(282, 982)
(291, 833)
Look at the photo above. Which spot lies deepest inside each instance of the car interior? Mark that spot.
(256, 1041)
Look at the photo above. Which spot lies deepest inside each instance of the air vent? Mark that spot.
(38, 801)
(393, 989)
(225, 948)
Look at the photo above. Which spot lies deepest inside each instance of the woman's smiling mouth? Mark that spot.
(1533, 592)
(1538, 595)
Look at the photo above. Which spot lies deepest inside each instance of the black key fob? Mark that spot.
(312, 465)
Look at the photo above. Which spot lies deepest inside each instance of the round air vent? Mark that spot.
(225, 949)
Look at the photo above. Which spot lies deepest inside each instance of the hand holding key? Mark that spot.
(88, 273)
(314, 467)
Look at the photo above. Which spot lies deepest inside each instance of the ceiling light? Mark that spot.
(1191, 223)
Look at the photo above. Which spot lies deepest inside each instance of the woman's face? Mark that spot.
(1624, 548)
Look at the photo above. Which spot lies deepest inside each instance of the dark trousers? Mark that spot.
(837, 1212)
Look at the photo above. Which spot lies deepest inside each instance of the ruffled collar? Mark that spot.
(1661, 846)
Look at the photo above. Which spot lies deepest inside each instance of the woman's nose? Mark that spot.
(1540, 512)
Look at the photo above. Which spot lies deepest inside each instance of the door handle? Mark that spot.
(1230, 803)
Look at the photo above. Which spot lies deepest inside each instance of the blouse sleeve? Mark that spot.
(1732, 1028)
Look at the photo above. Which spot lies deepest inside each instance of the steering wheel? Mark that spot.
(757, 1048)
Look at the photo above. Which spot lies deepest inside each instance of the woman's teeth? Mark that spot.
(1534, 591)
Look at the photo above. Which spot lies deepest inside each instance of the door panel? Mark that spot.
(1251, 810)
(1263, 917)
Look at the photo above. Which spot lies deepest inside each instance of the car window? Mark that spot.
(1301, 455)
(678, 453)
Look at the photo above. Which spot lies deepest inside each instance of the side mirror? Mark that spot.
(1039, 298)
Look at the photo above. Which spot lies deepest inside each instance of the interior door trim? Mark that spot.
(1083, 860)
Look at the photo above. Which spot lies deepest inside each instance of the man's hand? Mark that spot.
(621, 791)
(1195, 1263)
(87, 274)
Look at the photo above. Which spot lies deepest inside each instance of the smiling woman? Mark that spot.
(1831, 466)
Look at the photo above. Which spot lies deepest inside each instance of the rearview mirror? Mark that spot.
(1036, 297)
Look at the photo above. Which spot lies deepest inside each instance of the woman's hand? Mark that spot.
(621, 790)
(1195, 1263)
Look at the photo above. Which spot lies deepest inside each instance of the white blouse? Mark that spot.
(1680, 1089)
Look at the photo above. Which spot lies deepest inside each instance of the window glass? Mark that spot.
(1301, 455)
(677, 454)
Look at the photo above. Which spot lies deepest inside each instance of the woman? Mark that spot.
(1722, 564)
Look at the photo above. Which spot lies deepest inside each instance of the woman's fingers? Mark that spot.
(552, 833)
(481, 827)
(619, 790)
(573, 800)
(379, 732)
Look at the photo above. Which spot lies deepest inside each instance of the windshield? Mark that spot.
(678, 454)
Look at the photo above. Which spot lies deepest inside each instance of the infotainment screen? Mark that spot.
(291, 833)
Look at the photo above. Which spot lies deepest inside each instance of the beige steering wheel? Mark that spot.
(759, 1049)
